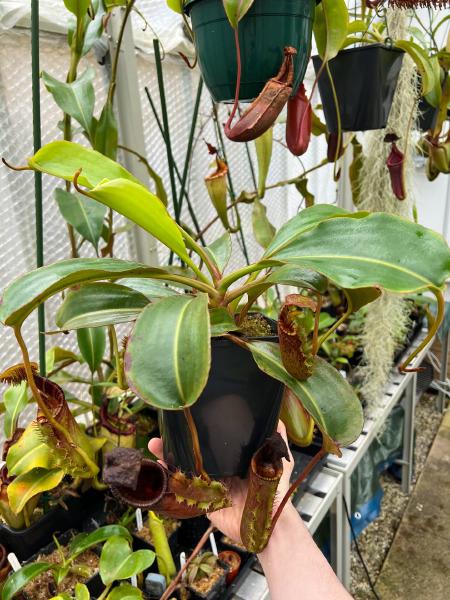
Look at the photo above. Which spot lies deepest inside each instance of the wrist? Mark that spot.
(290, 523)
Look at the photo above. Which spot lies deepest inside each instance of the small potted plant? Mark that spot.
(213, 369)
(263, 27)
(71, 560)
(206, 577)
(357, 84)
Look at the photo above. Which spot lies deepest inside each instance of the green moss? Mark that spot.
(256, 325)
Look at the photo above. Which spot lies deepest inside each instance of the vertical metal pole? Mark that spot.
(336, 523)
(346, 531)
(409, 405)
(445, 345)
(35, 74)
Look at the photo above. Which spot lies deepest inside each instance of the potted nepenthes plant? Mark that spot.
(263, 28)
(73, 566)
(203, 356)
(358, 66)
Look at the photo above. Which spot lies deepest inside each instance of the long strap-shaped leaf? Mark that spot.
(169, 354)
(377, 250)
(30, 290)
(326, 395)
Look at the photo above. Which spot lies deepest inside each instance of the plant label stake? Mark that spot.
(139, 520)
(212, 541)
(182, 563)
(14, 562)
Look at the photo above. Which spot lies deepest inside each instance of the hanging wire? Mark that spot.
(39, 223)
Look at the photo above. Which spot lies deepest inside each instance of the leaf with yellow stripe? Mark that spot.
(168, 355)
(28, 485)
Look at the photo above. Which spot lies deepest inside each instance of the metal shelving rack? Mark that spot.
(322, 495)
(401, 388)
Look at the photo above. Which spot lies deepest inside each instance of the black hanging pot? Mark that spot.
(365, 79)
(267, 28)
(237, 411)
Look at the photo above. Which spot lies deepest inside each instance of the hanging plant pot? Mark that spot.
(267, 28)
(365, 79)
(428, 116)
(236, 412)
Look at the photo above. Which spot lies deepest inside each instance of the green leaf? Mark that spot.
(18, 580)
(302, 188)
(236, 10)
(326, 395)
(94, 27)
(221, 322)
(220, 251)
(264, 146)
(298, 277)
(422, 62)
(15, 400)
(30, 452)
(168, 355)
(106, 133)
(84, 541)
(176, 5)
(263, 229)
(153, 290)
(330, 27)
(143, 208)
(99, 304)
(63, 159)
(118, 561)
(77, 7)
(377, 250)
(81, 592)
(28, 291)
(56, 355)
(361, 297)
(125, 591)
(77, 99)
(85, 215)
(92, 345)
(435, 95)
(306, 219)
(26, 486)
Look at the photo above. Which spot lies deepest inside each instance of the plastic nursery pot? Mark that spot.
(365, 79)
(267, 28)
(233, 560)
(25, 542)
(217, 590)
(236, 412)
(428, 115)
(94, 583)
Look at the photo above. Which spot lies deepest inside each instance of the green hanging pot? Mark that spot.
(264, 32)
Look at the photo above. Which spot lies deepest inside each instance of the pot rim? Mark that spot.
(366, 47)
(188, 6)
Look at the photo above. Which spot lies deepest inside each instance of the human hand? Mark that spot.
(228, 520)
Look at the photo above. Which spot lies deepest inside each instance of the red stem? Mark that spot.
(205, 537)
(303, 475)
(238, 79)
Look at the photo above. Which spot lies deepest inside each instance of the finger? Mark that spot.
(155, 446)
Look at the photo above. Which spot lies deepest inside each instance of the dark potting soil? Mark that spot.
(204, 585)
(44, 587)
(256, 325)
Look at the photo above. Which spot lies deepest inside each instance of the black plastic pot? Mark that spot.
(218, 590)
(428, 115)
(236, 412)
(365, 79)
(267, 28)
(25, 542)
(94, 583)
